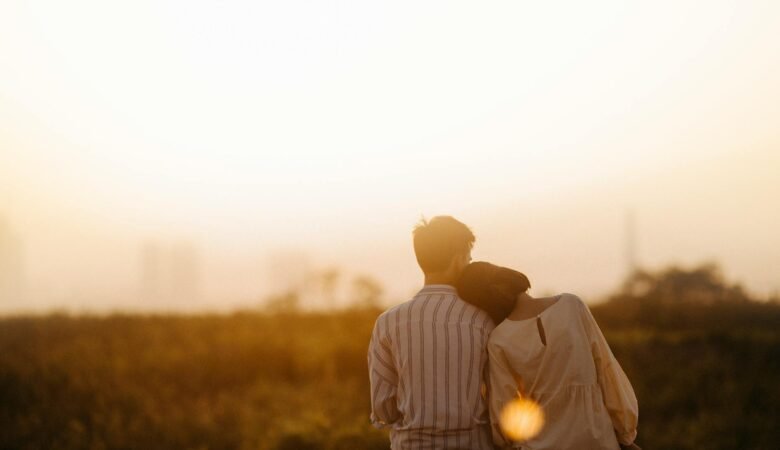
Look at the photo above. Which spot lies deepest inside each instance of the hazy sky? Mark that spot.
(258, 130)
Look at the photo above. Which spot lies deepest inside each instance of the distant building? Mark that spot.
(289, 271)
(630, 242)
(184, 274)
(11, 266)
(170, 275)
(151, 273)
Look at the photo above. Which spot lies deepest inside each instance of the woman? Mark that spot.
(550, 350)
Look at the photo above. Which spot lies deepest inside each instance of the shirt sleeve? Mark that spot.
(383, 379)
(619, 396)
(502, 388)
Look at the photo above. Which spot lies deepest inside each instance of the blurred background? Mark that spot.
(184, 185)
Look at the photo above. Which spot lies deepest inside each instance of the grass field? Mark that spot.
(299, 381)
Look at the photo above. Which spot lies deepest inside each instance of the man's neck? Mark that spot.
(439, 279)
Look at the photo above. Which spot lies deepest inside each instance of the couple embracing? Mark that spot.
(444, 365)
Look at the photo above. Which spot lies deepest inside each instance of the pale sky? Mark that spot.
(251, 130)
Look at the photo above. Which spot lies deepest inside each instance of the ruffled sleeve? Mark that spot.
(619, 397)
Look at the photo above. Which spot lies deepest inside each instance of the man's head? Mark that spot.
(443, 247)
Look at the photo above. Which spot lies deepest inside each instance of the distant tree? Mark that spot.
(684, 298)
(288, 302)
(701, 285)
(366, 292)
(328, 281)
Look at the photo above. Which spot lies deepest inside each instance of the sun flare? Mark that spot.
(521, 419)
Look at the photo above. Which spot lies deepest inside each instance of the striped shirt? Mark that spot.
(427, 361)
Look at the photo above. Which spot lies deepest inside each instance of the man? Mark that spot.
(427, 356)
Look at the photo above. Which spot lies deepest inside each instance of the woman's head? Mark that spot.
(492, 288)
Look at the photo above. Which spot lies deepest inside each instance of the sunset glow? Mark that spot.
(246, 129)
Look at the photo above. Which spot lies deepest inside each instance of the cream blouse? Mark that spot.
(561, 360)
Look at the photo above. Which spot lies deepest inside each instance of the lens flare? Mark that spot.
(521, 419)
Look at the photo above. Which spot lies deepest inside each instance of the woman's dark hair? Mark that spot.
(492, 288)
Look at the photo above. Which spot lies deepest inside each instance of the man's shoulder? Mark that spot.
(392, 315)
(397, 309)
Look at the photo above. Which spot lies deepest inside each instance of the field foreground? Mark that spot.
(705, 373)
(299, 381)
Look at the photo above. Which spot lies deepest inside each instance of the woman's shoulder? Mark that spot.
(578, 308)
(572, 300)
(571, 307)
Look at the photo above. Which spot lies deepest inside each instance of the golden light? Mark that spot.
(521, 419)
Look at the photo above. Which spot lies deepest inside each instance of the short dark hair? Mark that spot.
(492, 288)
(439, 240)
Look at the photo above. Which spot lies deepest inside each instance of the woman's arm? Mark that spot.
(619, 397)
(502, 388)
